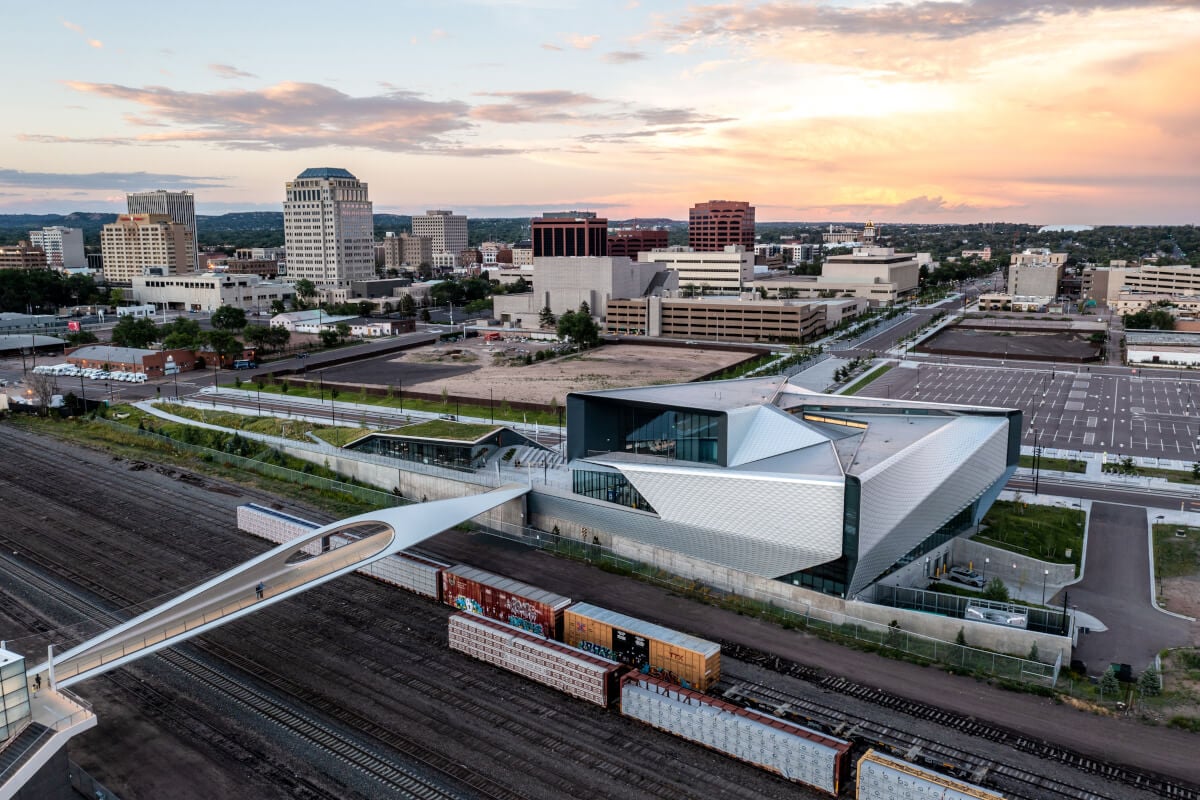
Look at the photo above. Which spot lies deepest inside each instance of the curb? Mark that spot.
(1153, 591)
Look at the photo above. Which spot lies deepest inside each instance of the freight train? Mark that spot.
(658, 676)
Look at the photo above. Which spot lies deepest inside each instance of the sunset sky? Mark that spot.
(1015, 110)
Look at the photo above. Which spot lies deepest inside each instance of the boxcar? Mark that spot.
(518, 604)
(661, 652)
(882, 777)
(581, 675)
(789, 750)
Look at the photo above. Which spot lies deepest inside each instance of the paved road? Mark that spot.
(1143, 415)
(1116, 590)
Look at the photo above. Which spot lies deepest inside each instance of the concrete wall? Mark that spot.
(978, 634)
(512, 515)
(412, 485)
(1028, 572)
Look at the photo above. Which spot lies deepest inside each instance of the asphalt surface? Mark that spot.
(1116, 590)
(1069, 409)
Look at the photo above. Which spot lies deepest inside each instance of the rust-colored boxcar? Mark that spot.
(652, 649)
(518, 604)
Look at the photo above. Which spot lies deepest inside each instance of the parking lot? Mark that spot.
(1068, 409)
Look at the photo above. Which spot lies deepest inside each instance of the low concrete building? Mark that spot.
(308, 321)
(701, 272)
(208, 292)
(729, 318)
(999, 301)
(564, 283)
(1170, 348)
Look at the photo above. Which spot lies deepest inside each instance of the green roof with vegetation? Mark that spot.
(445, 429)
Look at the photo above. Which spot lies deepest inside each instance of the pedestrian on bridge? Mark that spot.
(258, 590)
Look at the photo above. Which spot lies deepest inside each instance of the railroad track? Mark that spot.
(565, 751)
(395, 777)
(1160, 785)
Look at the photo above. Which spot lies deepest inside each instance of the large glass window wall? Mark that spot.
(680, 435)
(14, 694)
(611, 487)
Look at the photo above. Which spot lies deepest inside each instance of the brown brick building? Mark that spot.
(717, 223)
(629, 242)
(569, 234)
(22, 256)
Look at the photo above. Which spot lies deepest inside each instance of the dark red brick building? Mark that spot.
(718, 223)
(629, 242)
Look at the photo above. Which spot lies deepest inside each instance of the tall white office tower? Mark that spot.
(448, 232)
(328, 228)
(63, 246)
(179, 206)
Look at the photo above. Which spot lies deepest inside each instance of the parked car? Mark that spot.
(968, 576)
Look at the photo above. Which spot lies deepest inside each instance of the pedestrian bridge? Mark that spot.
(280, 573)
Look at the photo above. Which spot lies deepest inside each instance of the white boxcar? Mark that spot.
(882, 777)
(570, 671)
(789, 750)
(275, 526)
(418, 574)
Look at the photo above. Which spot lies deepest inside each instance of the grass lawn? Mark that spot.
(501, 413)
(1045, 532)
(1172, 475)
(446, 429)
(1056, 464)
(864, 381)
(1176, 556)
(274, 426)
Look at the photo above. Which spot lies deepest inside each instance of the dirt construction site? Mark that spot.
(475, 368)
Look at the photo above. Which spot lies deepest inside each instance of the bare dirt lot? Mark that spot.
(469, 369)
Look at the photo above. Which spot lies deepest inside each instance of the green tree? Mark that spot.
(579, 328)
(134, 332)
(425, 315)
(258, 336)
(1149, 683)
(229, 318)
(343, 330)
(329, 337)
(306, 290)
(116, 296)
(1109, 685)
(278, 307)
(546, 317)
(223, 343)
(1196, 470)
(996, 590)
(365, 307)
(77, 338)
(180, 333)
(408, 306)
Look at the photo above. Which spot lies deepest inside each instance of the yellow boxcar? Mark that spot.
(664, 653)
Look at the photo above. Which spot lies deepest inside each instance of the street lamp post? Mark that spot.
(1037, 458)
(175, 375)
(986, 563)
(1045, 575)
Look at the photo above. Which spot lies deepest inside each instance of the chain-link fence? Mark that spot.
(780, 609)
(209, 455)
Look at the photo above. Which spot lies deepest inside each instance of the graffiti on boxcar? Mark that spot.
(526, 625)
(469, 605)
(597, 650)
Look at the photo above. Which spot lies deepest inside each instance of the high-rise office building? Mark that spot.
(448, 232)
(63, 246)
(179, 206)
(714, 225)
(406, 250)
(569, 234)
(328, 228)
(136, 243)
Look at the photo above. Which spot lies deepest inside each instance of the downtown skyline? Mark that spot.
(1053, 113)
